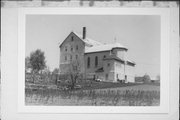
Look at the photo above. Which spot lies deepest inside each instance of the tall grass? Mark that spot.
(46, 96)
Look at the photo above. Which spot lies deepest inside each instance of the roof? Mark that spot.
(95, 46)
(131, 62)
(89, 42)
(104, 47)
(113, 57)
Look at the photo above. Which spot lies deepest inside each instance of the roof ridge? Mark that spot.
(87, 39)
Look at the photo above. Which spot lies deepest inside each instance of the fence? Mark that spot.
(49, 78)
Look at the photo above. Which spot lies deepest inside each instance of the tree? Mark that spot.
(74, 73)
(55, 71)
(27, 64)
(146, 78)
(37, 61)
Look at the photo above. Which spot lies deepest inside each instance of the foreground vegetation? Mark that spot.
(117, 96)
(49, 88)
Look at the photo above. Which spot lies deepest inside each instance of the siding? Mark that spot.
(119, 69)
(92, 56)
(80, 52)
(121, 53)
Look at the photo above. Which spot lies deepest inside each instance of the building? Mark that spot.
(107, 62)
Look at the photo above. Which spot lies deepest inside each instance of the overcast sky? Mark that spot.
(139, 33)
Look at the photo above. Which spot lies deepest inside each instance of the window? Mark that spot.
(71, 48)
(104, 56)
(106, 76)
(88, 62)
(66, 48)
(117, 76)
(76, 57)
(72, 38)
(76, 47)
(96, 61)
(125, 77)
(71, 57)
(108, 64)
(65, 58)
(111, 52)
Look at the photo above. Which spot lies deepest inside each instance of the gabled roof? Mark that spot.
(88, 42)
(104, 47)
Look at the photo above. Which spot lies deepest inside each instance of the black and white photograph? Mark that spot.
(92, 60)
(89, 62)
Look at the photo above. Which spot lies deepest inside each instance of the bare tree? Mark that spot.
(74, 73)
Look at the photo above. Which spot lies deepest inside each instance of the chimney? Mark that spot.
(84, 32)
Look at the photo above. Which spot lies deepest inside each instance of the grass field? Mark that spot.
(98, 94)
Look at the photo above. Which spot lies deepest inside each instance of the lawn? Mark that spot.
(95, 94)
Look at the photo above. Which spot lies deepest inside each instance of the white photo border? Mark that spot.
(164, 14)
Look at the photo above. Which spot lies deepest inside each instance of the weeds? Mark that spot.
(92, 97)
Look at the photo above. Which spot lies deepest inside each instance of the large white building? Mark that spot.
(107, 62)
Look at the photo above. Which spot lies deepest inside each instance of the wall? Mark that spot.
(119, 69)
(121, 53)
(92, 56)
(80, 52)
(109, 70)
(130, 72)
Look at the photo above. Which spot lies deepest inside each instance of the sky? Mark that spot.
(139, 33)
